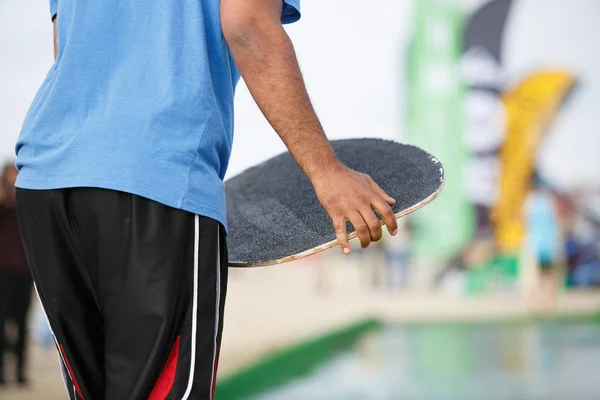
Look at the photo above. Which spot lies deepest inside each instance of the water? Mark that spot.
(537, 361)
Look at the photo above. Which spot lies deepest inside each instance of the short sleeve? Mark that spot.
(53, 8)
(290, 12)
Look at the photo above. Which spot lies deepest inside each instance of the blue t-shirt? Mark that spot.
(139, 100)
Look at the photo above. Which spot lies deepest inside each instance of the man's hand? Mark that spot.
(349, 195)
(267, 61)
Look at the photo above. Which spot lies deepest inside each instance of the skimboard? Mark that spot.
(274, 216)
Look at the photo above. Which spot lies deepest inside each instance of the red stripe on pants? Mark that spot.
(165, 382)
(62, 350)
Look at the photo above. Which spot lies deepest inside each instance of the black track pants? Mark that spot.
(134, 292)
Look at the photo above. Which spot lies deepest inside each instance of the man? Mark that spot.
(15, 279)
(121, 196)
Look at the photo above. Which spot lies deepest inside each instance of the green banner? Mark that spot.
(435, 123)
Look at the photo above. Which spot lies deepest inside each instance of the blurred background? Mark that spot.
(490, 292)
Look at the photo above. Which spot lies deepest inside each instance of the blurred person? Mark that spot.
(543, 226)
(581, 231)
(121, 199)
(582, 250)
(586, 273)
(15, 278)
(543, 240)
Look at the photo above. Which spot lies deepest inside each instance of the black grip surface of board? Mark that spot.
(273, 212)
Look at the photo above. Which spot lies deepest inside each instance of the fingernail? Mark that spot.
(346, 250)
(395, 232)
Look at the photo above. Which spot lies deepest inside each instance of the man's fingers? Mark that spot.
(372, 223)
(379, 190)
(387, 214)
(361, 228)
(339, 224)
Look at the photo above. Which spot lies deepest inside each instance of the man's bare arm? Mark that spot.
(266, 59)
(55, 39)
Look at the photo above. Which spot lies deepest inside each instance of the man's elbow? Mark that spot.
(242, 32)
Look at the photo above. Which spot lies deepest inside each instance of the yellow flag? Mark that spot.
(530, 109)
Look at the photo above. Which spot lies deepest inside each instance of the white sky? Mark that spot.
(352, 59)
